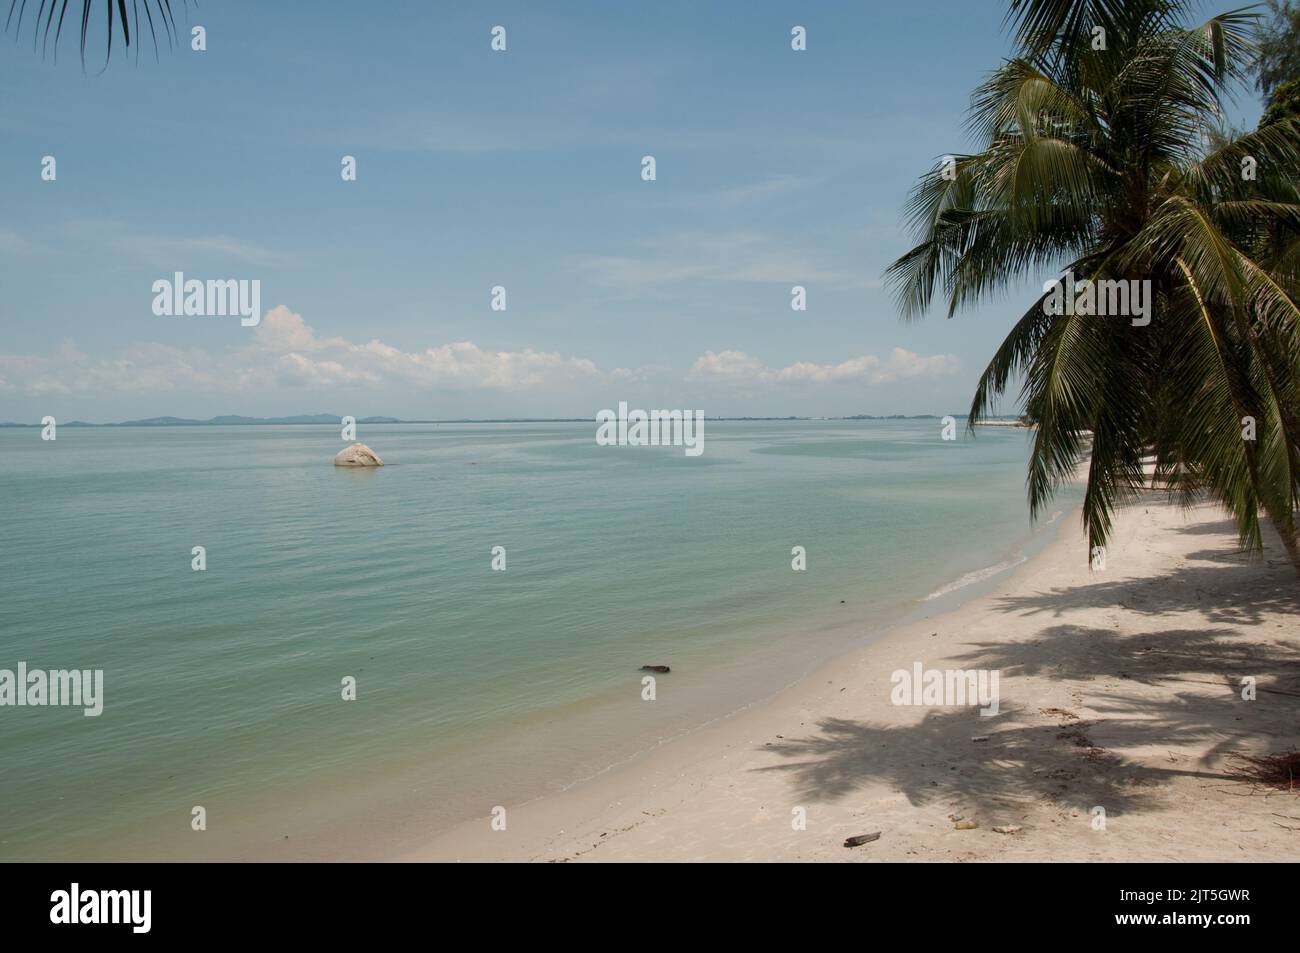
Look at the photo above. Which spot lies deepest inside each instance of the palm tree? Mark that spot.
(116, 13)
(1279, 48)
(1099, 157)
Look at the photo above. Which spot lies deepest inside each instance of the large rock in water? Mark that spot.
(357, 455)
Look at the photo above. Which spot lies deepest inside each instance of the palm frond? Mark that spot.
(117, 18)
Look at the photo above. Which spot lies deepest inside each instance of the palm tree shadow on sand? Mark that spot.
(1158, 690)
(1212, 591)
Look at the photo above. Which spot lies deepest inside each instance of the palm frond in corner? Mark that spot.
(127, 20)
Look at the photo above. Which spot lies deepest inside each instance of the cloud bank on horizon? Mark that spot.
(286, 354)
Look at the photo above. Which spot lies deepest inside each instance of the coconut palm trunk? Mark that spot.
(1286, 531)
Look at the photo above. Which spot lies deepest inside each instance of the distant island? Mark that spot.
(226, 421)
(232, 420)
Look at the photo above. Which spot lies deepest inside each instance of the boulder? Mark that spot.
(357, 455)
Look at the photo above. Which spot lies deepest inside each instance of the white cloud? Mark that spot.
(139, 368)
(734, 256)
(165, 250)
(300, 355)
(285, 350)
(739, 368)
(727, 366)
(765, 189)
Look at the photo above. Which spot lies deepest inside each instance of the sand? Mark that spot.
(1121, 709)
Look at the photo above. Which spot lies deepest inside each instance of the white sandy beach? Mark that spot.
(1120, 690)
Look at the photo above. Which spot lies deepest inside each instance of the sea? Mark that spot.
(369, 656)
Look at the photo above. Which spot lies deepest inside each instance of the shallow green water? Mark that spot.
(222, 687)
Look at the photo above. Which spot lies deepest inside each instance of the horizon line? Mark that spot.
(238, 420)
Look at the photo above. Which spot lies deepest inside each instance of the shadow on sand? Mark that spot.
(1157, 689)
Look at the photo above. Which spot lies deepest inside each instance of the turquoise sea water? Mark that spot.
(474, 687)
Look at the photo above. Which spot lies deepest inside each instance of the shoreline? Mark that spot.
(1132, 708)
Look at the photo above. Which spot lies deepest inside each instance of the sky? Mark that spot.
(475, 169)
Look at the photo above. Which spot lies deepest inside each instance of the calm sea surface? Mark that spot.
(474, 687)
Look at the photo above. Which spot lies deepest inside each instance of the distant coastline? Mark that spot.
(333, 420)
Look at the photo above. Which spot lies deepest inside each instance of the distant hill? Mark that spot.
(892, 417)
(234, 420)
(228, 420)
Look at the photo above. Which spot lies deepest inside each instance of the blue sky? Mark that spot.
(475, 169)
